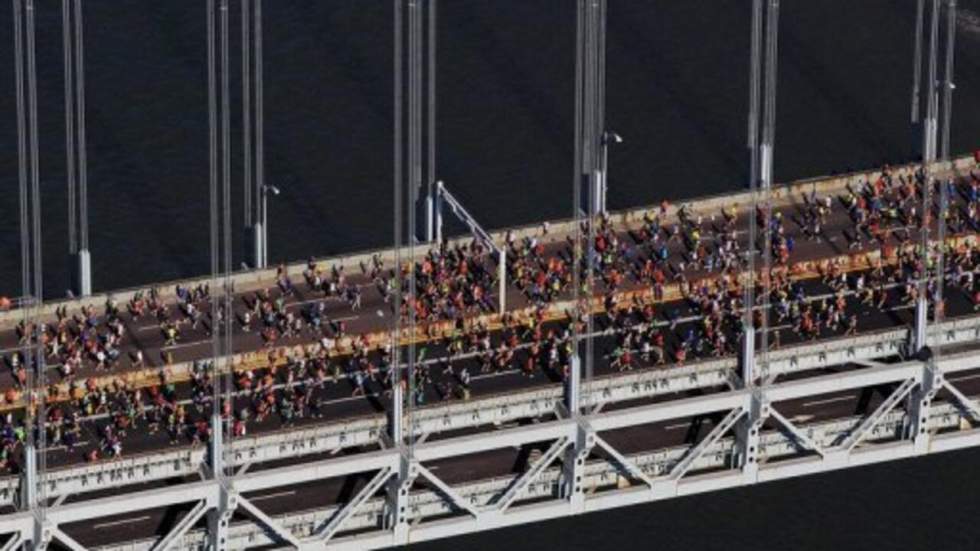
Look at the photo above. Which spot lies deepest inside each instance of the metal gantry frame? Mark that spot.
(444, 197)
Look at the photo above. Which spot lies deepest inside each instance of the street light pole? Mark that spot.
(262, 232)
(603, 181)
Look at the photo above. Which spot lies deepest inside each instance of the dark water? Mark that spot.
(677, 80)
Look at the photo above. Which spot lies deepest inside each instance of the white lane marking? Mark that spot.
(63, 447)
(677, 426)
(123, 521)
(801, 418)
(964, 378)
(185, 345)
(273, 496)
(828, 401)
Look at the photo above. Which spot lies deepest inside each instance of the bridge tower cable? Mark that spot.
(587, 213)
(932, 274)
(255, 191)
(32, 495)
(84, 251)
(247, 114)
(220, 288)
(761, 138)
(80, 257)
(929, 135)
(431, 175)
(259, 173)
(69, 62)
(945, 186)
(917, 60)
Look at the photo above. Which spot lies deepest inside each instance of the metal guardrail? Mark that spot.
(497, 409)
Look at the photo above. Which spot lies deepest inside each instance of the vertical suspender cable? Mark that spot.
(80, 127)
(37, 385)
(577, 210)
(35, 175)
(928, 159)
(939, 310)
(948, 73)
(415, 183)
(769, 139)
(22, 166)
(222, 381)
(397, 375)
(917, 59)
(213, 193)
(431, 165)
(69, 60)
(755, 93)
(591, 148)
(259, 175)
(247, 112)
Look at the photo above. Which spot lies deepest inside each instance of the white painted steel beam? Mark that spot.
(521, 482)
(801, 437)
(174, 463)
(452, 495)
(325, 532)
(624, 463)
(695, 453)
(601, 473)
(883, 409)
(267, 521)
(178, 531)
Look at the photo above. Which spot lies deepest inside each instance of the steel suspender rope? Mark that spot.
(755, 92)
(70, 128)
(247, 113)
(80, 128)
(769, 138)
(398, 397)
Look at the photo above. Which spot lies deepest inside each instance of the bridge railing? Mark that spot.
(502, 408)
(599, 476)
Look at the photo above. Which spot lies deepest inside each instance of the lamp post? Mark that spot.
(262, 233)
(603, 183)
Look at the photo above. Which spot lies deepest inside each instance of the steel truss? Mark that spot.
(245, 452)
(880, 436)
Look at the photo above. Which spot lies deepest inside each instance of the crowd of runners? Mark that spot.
(686, 300)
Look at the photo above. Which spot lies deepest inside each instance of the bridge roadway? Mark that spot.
(339, 405)
(375, 315)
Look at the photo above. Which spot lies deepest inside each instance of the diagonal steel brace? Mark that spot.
(448, 491)
(627, 465)
(861, 431)
(697, 451)
(800, 436)
(284, 533)
(325, 532)
(531, 474)
(181, 528)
